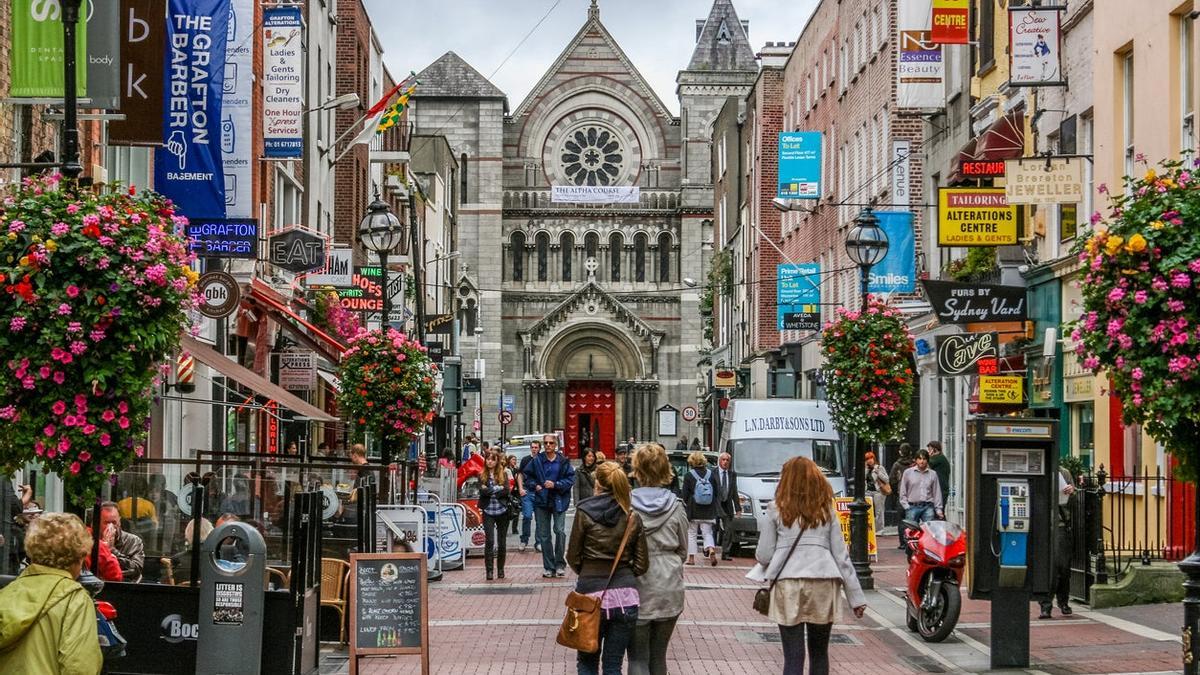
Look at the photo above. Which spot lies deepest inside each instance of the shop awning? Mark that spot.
(1003, 139)
(334, 382)
(256, 383)
(312, 337)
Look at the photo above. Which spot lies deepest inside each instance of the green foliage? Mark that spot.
(388, 385)
(980, 262)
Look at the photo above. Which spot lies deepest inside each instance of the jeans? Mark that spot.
(818, 648)
(526, 516)
(553, 557)
(921, 512)
(706, 532)
(648, 652)
(616, 632)
(495, 536)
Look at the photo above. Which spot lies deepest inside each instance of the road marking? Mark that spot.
(686, 622)
(1128, 626)
(916, 644)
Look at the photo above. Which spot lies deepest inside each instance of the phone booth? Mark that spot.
(1012, 469)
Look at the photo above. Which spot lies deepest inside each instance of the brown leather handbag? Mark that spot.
(762, 597)
(580, 628)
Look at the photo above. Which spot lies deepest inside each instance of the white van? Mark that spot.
(762, 434)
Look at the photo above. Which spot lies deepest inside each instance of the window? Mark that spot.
(568, 253)
(1085, 428)
(616, 246)
(1127, 104)
(639, 256)
(664, 257)
(1068, 214)
(987, 37)
(517, 248)
(1187, 84)
(542, 241)
(287, 200)
(462, 178)
(591, 242)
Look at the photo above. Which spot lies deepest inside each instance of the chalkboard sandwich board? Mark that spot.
(389, 611)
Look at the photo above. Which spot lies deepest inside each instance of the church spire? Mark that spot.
(594, 12)
(722, 41)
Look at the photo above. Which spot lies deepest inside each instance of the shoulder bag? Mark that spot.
(581, 626)
(762, 597)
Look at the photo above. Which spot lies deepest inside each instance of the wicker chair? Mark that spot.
(334, 576)
(278, 576)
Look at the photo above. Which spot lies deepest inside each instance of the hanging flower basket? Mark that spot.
(1140, 323)
(389, 385)
(94, 293)
(868, 372)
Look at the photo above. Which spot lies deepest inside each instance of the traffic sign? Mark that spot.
(505, 417)
(689, 413)
(508, 402)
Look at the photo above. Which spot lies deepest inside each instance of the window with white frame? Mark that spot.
(1127, 106)
(287, 200)
(129, 166)
(1187, 84)
(1085, 145)
(885, 19)
(842, 67)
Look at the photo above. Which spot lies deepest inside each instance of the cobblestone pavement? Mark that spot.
(508, 626)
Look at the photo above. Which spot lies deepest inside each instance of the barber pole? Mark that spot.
(185, 372)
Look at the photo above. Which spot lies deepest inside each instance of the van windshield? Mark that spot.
(765, 456)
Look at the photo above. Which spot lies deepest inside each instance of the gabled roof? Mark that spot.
(593, 27)
(723, 44)
(591, 291)
(452, 77)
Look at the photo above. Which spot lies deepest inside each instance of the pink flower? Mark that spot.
(85, 456)
(1137, 374)
(1175, 305)
(1180, 280)
(44, 372)
(72, 209)
(70, 421)
(39, 448)
(72, 291)
(1091, 363)
(49, 430)
(58, 408)
(64, 309)
(1140, 297)
(16, 323)
(89, 429)
(75, 467)
(122, 407)
(59, 229)
(123, 422)
(59, 377)
(1116, 295)
(108, 416)
(105, 440)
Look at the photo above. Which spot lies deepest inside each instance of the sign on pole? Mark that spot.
(366, 290)
(143, 43)
(950, 26)
(897, 272)
(901, 175)
(798, 296)
(223, 237)
(297, 371)
(920, 65)
(799, 165)
(1044, 181)
(975, 217)
(37, 50)
(1002, 389)
(220, 294)
(1034, 52)
(504, 417)
(283, 81)
(297, 250)
(237, 103)
(974, 303)
(960, 354)
(337, 271)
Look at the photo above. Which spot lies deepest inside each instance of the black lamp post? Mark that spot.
(71, 168)
(866, 245)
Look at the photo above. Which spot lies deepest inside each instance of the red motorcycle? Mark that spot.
(937, 553)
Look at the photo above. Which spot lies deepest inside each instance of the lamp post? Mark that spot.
(866, 246)
(71, 167)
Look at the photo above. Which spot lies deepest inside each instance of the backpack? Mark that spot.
(703, 495)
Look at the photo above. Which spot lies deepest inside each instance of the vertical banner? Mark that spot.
(897, 272)
(143, 33)
(237, 103)
(187, 167)
(1034, 55)
(104, 54)
(37, 51)
(283, 82)
(798, 296)
(901, 174)
(920, 66)
(799, 165)
(950, 25)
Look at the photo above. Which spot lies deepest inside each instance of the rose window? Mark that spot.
(592, 156)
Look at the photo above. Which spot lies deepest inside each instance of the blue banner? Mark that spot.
(188, 166)
(799, 165)
(897, 272)
(798, 296)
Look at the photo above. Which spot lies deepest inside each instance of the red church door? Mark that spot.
(591, 417)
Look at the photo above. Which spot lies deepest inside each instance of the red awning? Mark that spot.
(1003, 139)
(277, 307)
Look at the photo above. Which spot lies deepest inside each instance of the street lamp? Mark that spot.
(866, 245)
(380, 232)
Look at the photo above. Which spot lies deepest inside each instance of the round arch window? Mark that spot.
(592, 155)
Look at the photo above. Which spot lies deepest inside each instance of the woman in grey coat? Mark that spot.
(661, 587)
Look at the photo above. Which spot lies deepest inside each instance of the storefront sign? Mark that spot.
(975, 217)
(950, 26)
(1034, 47)
(220, 294)
(103, 54)
(961, 354)
(595, 194)
(366, 290)
(336, 273)
(1040, 181)
(981, 168)
(223, 238)
(439, 324)
(901, 174)
(798, 296)
(296, 250)
(283, 82)
(975, 303)
(297, 371)
(897, 272)
(37, 51)
(143, 42)
(187, 166)
(799, 165)
(237, 103)
(725, 379)
(920, 65)
(1078, 384)
(1001, 389)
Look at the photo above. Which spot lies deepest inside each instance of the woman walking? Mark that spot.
(493, 502)
(660, 589)
(585, 476)
(700, 497)
(596, 541)
(514, 496)
(801, 552)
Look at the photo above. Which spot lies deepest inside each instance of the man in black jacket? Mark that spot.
(727, 498)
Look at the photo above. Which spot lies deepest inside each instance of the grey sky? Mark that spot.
(657, 35)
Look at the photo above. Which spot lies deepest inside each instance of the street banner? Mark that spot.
(103, 54)
(901, 175)
(975, 303)
(237, 105)
(297, 371)
(223, 238)
(37, 50)
(1034, 54)
(897, 272)
(1042, 181)
(143, 33)
(799, 165)
(1002, 389)
(595, 194)
(798, 296)
(960, 354)
(950, 26)
(920, 65)
(283, 82)
(187, 167)
(975, 217)
(336, 273)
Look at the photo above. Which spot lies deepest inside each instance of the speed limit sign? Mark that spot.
(505, 417)
(689, 413)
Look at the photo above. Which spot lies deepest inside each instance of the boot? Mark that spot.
(489, 575)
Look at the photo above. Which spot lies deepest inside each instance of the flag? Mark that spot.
(392, 116)
(375, 114)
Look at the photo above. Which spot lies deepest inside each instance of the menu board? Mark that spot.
(388, 608)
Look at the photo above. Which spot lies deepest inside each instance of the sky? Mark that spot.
(657, 35)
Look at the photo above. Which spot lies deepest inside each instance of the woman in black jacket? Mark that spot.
(701, 506)
(493, 502)
(585, 476)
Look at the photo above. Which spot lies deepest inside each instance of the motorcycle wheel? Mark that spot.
(938, 622)
(910, 620)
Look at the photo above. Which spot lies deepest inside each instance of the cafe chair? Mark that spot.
(334, 576)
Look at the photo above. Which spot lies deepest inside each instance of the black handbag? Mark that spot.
(762, 597)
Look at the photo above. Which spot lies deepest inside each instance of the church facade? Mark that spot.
(586, 314)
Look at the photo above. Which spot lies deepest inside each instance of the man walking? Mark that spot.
(727, 498)
(920, 493)
(898, 468)
(941, 466)
(526, 493)
(1060, 547)
(127, 547)
(551, 476)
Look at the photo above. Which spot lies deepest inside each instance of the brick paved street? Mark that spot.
(508, 627)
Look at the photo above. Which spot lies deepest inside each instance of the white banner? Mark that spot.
(920, 64)
(1036, 181)
(283, 82)
(338, 271)
(237, 104)
(595, 194)
(1034, 55)
(901, 176)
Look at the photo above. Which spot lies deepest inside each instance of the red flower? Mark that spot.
(92, 231)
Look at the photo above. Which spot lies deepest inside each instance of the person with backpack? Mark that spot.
(700, 498)
(898, 468)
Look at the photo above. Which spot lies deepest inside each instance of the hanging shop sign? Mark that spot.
(1034, 54)
(237, 104)
(188, 164)
(961, 354)
(439, 324)
(283, 82)
(950, 25)
(337, 270)
(798, 297)
(920, 64)
(143, 36)
(297, 371)
(1044, 181)
(595, 194)
(975, 303)
(296, 250)
(219, 294)
(725, 378)
(223, 237)
(981, 168)
(799, 165)
(365, 293)
(897, 272)
(37, 51)
(103, 54)
(975, 217)
(901, 174)
(1002, 389)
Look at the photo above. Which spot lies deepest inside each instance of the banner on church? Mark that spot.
(920, 64)
(595, 194)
